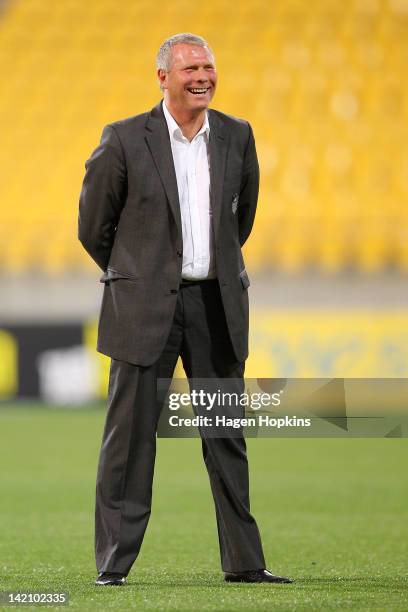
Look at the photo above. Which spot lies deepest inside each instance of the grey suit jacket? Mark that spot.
(130, 224)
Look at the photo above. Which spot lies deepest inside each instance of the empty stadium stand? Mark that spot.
(323, 84)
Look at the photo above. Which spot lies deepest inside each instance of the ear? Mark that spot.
(162, 76)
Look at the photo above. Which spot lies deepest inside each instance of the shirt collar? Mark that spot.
(174, 128)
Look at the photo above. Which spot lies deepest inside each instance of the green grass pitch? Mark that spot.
(332, 514)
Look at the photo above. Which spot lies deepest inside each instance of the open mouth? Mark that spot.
(197, 91)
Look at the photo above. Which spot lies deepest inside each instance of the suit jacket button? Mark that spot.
(179, 253)
(173, 291)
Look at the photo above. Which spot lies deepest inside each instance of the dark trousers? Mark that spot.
(126, 463)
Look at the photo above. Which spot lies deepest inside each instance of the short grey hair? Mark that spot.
(164, 56)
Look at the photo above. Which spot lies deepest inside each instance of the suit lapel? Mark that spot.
(158, 141)
(218, 154)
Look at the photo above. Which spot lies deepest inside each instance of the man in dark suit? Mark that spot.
(168, 200)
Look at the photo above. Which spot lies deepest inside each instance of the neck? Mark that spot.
(189, 122)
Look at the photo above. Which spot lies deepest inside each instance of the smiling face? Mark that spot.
(190, 83)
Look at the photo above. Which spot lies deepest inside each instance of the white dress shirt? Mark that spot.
(191, 162)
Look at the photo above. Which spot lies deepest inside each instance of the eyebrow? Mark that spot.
(196, 66)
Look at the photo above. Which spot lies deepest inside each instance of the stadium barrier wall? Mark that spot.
(58, 363)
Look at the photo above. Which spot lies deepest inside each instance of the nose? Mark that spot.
(201, 75)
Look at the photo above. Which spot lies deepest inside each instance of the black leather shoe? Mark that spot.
(260, 575)
(110, 579)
